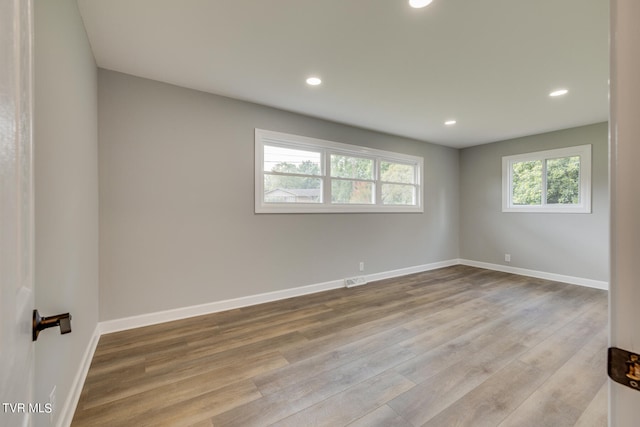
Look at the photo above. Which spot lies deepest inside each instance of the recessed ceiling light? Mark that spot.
(450, 122)
(313, 81)
(559, 92)
(417, 4)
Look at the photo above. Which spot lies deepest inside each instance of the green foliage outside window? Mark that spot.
(355, 168)
(356, 187)
(306, 167)
(351, 167)
(397, 174)
(527, 183)
(562, 181)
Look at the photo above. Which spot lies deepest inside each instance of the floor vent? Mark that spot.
(355, 281)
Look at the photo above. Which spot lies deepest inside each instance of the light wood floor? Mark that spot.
(459, 346)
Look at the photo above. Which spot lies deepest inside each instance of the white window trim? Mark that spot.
(267, 137)
(584, 151)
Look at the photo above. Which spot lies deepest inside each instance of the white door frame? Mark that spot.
(624, 125)
(16, 213)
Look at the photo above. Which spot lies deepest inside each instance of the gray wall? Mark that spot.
(177, 222)
(66, 199)
(569, 244)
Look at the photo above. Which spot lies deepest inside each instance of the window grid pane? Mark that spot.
(563, 180)
(292, 161)
(398, 194)
(400, 173)
(527, 183)
(292, 189)
(352, 192)
(343, 166)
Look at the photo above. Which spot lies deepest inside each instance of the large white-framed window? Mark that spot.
(298, 174)
(553, 181)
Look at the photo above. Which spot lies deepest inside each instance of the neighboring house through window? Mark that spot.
(292, 195)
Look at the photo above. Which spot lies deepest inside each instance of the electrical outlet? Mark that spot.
(52, 404)
(361, 265)
(507, 257)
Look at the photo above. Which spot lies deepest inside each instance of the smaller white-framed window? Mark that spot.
(297, 174)
(551, 181)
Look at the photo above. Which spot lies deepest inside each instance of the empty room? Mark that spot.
(327, 213)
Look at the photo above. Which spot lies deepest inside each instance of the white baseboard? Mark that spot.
(217, 306)
(70, 404)
(213, 307)
(411, 270)
(590, 283)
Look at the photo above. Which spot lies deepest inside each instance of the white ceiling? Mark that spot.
(489, 64)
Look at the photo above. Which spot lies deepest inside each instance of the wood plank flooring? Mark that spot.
(458, 346)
